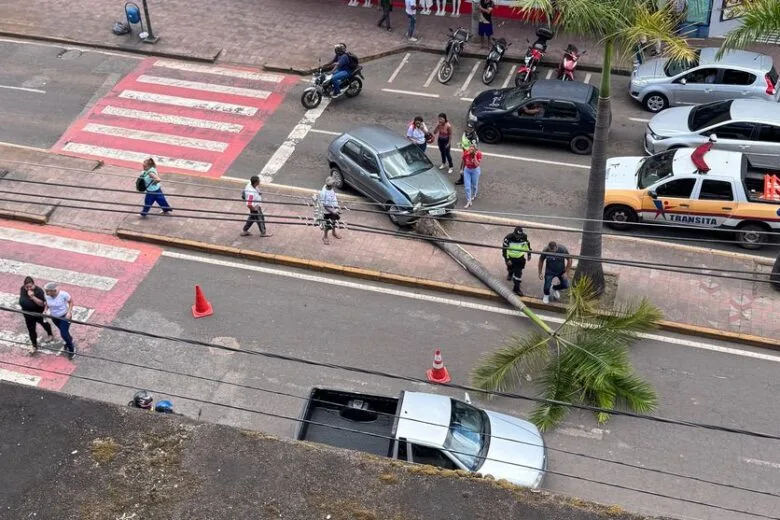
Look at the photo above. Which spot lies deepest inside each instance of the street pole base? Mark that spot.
(151, 39)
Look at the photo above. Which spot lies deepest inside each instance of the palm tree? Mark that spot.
(584, 361)
(761, 17)
(621, 24)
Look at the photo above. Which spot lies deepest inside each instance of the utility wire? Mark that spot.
(389, 375)
(384, 212)
(420, 421)
(310, 221)
(388, 438)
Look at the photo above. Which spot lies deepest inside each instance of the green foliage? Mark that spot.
(585, 361)
(761, 17)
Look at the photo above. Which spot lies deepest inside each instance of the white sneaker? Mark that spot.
(442, 166)
(546, 299)
(556, 294)
(412, 39)
(449, 171)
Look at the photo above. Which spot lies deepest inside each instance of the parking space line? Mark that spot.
(317, 131)
(509, 76)
(639, 119)
(433, 73)
(24, 89)
(462, 90)
(409, 92)
(549, 74)
(469, 99)
(587, 77)
(404, 61)
(530, 159)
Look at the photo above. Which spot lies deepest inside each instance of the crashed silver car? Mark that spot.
(387, 168)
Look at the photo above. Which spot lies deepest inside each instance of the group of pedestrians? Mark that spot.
(411, 7)
(471, 158)
(48, 302)
(554, 264)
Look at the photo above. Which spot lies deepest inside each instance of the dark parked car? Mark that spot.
(547, 110)
(387, 168)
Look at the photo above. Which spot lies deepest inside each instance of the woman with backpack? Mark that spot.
(150, 181)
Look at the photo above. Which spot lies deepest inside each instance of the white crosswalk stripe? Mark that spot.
(20, 340)
(63, 276)
(219, 71)
(17, 377)
(228, 108)
(155, 137)
(136, 157)
(69, 244)
(171, 119)
(205, 87)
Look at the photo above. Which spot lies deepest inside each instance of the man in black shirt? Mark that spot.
(485, 20)
(558, 265)
(32, 299)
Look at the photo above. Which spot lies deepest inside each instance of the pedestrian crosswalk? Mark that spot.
(100, 273)
(191, 118)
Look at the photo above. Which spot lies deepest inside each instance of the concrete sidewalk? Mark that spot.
(213, 223)
(277, 34)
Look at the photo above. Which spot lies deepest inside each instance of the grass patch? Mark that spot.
(104, 449)
(388, 478)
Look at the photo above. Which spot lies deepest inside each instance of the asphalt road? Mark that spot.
(371, 326)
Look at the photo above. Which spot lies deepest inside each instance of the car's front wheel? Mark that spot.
(655, 102)
(620, 217)
(490, 134)
(397, 215)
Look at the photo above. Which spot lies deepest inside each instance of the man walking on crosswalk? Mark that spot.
(59, 305)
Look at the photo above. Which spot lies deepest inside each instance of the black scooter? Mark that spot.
(452, 52)
(497, 50)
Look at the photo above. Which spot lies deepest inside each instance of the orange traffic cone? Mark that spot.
(202, 306)
(438, 374)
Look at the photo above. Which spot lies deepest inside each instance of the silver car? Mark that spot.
(662, 82)
(387, 168)
(750, 126)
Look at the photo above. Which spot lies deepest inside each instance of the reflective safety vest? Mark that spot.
(517, 249)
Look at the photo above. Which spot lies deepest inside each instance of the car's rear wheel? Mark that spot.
(752, 236)
(338, 177)
(490, 134)
(355, 86)
(655, 102)
(620, 217)
(581, 145)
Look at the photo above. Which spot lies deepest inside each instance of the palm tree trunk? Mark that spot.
(594, 213)
(431, 228)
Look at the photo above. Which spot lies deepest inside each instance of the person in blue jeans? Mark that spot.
(153, 189)
(556, 264)
(341, 69)
(59, 306)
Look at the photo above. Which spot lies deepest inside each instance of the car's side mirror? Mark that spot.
(467, 398)
(374, 176)
(652, 194)
(683, 81)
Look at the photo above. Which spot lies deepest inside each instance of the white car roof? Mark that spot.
(424, 418)
(722, 163)
(755, 110)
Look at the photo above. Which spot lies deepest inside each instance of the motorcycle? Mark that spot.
(497, 50)
(452, 53)
(569, 62)
(323, 86)
(527, 72)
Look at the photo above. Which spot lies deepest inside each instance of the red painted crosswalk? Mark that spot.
(191, 118)
(100, 272)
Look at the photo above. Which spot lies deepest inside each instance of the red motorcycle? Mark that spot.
(569, 62)
(527, 72)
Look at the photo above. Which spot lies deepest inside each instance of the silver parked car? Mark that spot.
(660, 83)
(750, 126)
(387, 168)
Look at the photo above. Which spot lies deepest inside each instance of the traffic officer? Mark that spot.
(516, 251)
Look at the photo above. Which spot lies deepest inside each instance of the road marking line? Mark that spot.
(509, 76)
(549, 74)
(639, 119)
(17, 377)
(469, 99)
(136, 157)
(530, 159)
(73, 245)
(449, 301)
(409, 92)
(155, 137)
(12, 300)
(595, 433)
(397, 70)
(24, 89)
(227, 108)
(326, 132)
(433, 73)
(219, 71)
(63, 276)
(298, 133)
(758, 462)
(204, 87)
(587, 77)
(82, 48)
(462, 90)
(174, 120)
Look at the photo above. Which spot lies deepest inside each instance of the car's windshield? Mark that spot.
(675, 67)
(468, 438)
(654, 168)
(404, 162)
(594, 99)
(703, 116)
(516, 96)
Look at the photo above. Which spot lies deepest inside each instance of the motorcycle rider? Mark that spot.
(342, 68)
(469, 136)
(516, 250)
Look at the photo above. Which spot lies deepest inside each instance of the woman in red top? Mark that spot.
(472, 158)
(444, 131)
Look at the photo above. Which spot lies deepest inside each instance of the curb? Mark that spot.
(21, 216)
(109, 47)
(421, 283)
